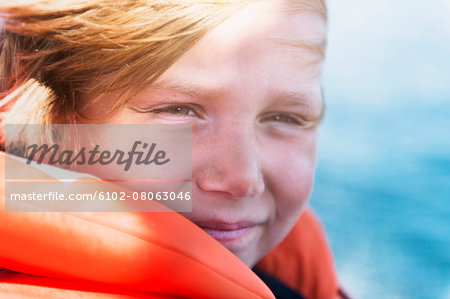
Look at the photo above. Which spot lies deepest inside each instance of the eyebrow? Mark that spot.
(293, 98)
(184, 87)
(316, 46)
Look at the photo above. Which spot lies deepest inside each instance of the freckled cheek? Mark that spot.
(292, 179)
(290, 184)
(294, 193)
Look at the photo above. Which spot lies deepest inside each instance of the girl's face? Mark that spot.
(250, 89)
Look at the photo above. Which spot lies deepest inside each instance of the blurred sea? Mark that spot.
(383, 192)
(383, 177)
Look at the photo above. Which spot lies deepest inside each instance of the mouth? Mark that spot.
(224, 231)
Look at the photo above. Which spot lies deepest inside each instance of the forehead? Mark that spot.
(271, 22)
(265, 42)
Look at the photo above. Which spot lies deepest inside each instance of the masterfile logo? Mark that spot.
(98, 167)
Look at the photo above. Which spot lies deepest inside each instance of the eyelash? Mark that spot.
(173, 109)
(285, 118)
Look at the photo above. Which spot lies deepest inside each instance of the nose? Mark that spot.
(231, 165)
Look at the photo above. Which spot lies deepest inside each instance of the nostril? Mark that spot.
(210, 179)
(235, 184)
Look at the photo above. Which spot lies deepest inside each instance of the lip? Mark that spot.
(226, 231)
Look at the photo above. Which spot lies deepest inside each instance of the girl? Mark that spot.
(245, 75)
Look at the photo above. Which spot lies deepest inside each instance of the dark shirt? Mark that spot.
(280, 290)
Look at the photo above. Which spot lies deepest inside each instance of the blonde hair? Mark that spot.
(51, 53)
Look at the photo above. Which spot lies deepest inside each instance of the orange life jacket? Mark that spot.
(145, 255)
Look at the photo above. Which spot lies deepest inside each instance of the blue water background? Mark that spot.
(383, 177)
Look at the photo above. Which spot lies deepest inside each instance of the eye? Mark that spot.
(285, 118)
(179, 110)
(176, 112)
